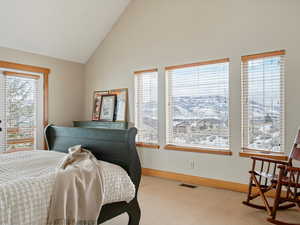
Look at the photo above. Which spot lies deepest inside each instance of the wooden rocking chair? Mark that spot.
(265, 178)
(289, 178)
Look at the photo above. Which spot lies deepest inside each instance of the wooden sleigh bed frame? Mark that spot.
(112, 145)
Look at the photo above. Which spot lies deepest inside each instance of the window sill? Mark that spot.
(198, 150)
(144, 145)
(248, 154)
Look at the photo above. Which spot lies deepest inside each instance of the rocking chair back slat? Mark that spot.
(261, 170)
(289, 184)
(268, 170)
(274, 169)
(296, 186)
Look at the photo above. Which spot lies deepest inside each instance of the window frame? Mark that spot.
(197, 149)
(144, 144)
(249, 152)
(45, 73)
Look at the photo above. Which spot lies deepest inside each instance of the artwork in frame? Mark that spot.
(121, 105)
(107, 109)
(97, 104)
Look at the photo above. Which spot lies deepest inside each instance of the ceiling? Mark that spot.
(64, 29)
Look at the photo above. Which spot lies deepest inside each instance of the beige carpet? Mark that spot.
(163, 202)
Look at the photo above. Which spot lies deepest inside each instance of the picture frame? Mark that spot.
(121, 104)
(97, 97)
(107, 109)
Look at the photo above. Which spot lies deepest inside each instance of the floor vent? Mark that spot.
(188, 185)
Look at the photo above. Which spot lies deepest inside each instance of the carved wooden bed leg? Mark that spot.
(134, 213)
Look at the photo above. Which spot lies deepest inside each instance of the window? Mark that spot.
(146, 107)
(262, 102)
(198, 105)
(21, 112)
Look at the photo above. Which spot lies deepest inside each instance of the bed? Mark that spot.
(115, 147)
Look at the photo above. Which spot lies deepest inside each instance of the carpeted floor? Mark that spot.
(164, 202)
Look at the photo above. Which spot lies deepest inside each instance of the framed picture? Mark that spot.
(97, 104)
(121, 105)
(107, 109)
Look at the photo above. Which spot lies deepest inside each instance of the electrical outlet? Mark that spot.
(192, 164)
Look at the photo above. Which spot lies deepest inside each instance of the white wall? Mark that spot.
(66, 81)
(159, 33)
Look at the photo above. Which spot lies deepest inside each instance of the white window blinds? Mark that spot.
(197, 112)
(263, 101)
(21, 102)
(146, 107)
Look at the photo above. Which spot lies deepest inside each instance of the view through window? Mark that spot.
(198, 105)
(262, 85)
(21, 103)
(146, 106)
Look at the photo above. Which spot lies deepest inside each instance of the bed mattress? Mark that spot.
(27, 179)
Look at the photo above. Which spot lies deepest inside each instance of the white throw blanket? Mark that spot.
(78, 191)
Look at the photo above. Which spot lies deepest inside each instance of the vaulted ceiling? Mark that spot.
(64, 29)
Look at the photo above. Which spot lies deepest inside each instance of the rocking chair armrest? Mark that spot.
(290, 175)
(270, 160)
(282, 167)
(291, 168)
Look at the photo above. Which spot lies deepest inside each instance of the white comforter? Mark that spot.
(27, 179)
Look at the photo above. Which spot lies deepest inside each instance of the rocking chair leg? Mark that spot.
(276, 202)
(250, 183)
(249, 191)
(253, 182)
(272, 219)
(262, 194)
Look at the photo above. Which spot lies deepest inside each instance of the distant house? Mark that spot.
(183, 127)
(199, 125)
(208, 123)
